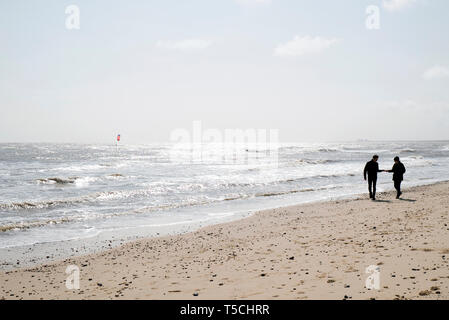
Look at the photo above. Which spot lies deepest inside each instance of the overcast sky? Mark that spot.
(311, 69)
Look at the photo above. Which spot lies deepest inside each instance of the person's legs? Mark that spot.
(374, 188)
(370, 182)
(397, 186)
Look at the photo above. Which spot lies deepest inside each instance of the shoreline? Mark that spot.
(250, 241)
(33, 255)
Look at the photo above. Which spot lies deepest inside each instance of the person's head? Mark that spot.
(396, 159)
(375, 157)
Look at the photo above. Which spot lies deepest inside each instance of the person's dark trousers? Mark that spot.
(372, 187)
(397, 186)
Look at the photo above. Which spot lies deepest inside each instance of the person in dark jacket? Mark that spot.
(398, 171)
(372, 168)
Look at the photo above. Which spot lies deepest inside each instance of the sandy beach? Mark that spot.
(313, 251)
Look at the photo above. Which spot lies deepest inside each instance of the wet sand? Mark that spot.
(313, 251)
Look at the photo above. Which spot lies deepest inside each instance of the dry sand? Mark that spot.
(314, 251)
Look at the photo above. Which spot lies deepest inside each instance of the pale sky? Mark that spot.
(311, 69)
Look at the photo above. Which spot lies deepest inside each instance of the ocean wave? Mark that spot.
(328, 150)
(41, 223)
(409, 150)
(84, 182)
(115, 176)
(79, 182)
(57, 180)
(417, 161)
(152, 189)
(355, 147)
(307, 149)
(88, 167)
(228, 185)
(32, 224)
(98, 196)
(40, 204)
(281, 193)
(188, 203)
(309, 161)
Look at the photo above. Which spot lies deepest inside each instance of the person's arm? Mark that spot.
(365, 170)
(377, 165)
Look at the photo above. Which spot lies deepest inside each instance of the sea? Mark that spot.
(59, 192)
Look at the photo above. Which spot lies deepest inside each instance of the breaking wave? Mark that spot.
(148, 192)
(407, 151)
(147, 209)
(69, 184)
(57, 180)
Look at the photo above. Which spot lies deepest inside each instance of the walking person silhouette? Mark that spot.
(398, 171)
(372, 168)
